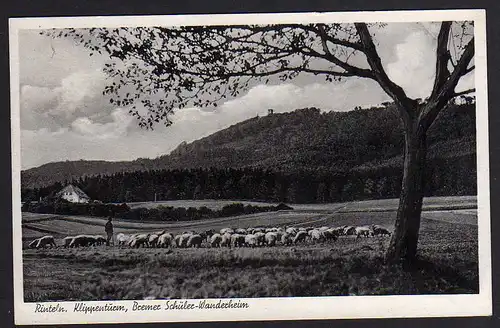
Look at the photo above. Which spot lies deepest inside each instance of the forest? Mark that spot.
(305, 156)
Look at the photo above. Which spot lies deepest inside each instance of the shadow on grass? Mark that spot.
(265, 272)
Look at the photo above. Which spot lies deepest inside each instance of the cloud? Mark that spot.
(45, 61)
(79, 94)
(121, 120)
(414, 68)
(77, 90)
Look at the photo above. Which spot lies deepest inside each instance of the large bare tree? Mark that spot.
(164, 68)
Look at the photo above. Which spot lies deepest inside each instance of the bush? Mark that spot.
(160, 213)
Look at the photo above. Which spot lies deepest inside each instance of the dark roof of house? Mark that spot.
(73, 189)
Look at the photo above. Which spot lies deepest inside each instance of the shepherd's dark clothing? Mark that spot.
(108, 228)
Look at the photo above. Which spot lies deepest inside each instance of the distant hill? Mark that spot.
(302, 139)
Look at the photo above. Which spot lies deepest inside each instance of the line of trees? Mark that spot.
(160, 213)
(444, 176)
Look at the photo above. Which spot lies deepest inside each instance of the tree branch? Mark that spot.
(393, 90)
(442, 58)
(437, 102)
(361, 72)
(470, 69)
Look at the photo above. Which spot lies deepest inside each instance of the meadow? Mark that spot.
(448, 259)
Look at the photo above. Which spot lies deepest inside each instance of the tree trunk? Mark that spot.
(403, 245)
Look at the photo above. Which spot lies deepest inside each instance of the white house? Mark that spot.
(73, 194)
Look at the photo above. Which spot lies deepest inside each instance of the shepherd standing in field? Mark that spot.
(109, 230)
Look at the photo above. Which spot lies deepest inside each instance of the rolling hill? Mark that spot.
(302, 139)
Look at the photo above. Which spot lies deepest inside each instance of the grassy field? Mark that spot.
(447, 248)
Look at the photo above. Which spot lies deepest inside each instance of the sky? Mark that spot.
(64, 115)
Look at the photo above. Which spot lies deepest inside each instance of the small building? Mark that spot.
(73, 194)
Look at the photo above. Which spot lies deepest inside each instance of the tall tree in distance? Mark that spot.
(156, 70)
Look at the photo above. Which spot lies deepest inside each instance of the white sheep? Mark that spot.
(138, 240)
(286, 239)
(251, 240)
(82, 240)
(33, 243)
(237, 240)
(226, 240)
(271, 238)
(363, 232)
(215, 240)
(316, 235)
(226, 230)
(241, 231)
(122, 238)
(261, 238)
(153, 240)
(165, 240)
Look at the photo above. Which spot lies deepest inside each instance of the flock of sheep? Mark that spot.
(250, 237)
(226, 237)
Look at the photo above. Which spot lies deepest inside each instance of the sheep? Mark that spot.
(271, 238)
(362, 232)
(82, 241)
(258, 229)
(33, 243)
(286, 239)
(165, 240)
(224, 230)
(215, 240)
(349, 231)
(300, 237)
(261, 238)
(46, 240)
(278, 234)
(292, 231)
(152, 240)
(251, 240)
(379, 231)
(207, 234)
(330, 234)
(140, 239)
(122, 239)
(226, 240)
(237, 240)
(182, 239)
(99, 240)
(316, 235)
(339, 231)
(241, 231)
(194, 241)
(159, 233)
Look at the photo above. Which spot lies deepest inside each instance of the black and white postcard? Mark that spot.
(250, 167)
